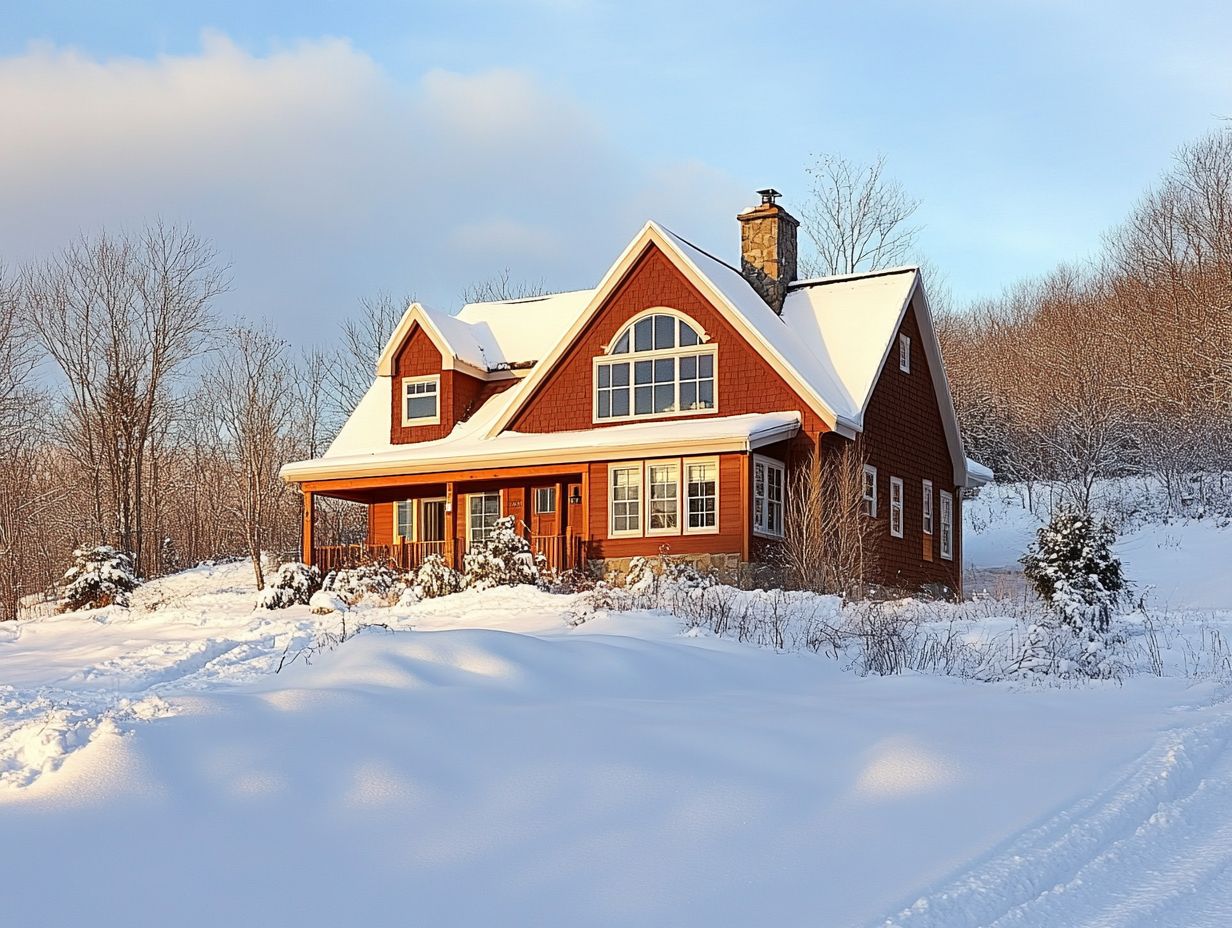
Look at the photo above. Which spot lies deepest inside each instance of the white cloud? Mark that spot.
(321, 178)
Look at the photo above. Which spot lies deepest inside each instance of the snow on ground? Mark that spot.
(484, 760)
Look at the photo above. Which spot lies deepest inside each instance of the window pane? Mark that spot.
(622, 346)
(605, 404)
(688, 367)
(688, 395)
(664, 332)
(665, 370)
(643, 401)
(421, 407)
(605, 375)
(620, 374)
(706, 365)
(643, 335)
(643, 371)
(665, 398)
(687, 335)
(705, 398)
(620, 402)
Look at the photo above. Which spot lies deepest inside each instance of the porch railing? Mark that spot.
(560, 552)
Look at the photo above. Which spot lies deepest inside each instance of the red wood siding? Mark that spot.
(904, 437)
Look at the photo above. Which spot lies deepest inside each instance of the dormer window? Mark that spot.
(659, 365)
(421, 400)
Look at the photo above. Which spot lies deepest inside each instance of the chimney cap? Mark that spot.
(768, 196)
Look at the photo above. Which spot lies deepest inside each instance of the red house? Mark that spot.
(665, 408)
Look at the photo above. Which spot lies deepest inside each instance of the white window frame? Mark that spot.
(470, 522)
(546, 512)
(704, 347)
(927, 519)
(761, 517)
(412, 506)
(634, 467)
(947, 526)
(870, 502)
(421, 420)
(904, 353)
(673, 463)
(896, 506)
(684, 496)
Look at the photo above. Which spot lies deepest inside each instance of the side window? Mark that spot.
(928, 507)
(947, 525)
(896, 507)
(663, 494)
(904, 353)
(702, 485)
(768, 483)
(545, 500)
(870, 490)
(404, 521)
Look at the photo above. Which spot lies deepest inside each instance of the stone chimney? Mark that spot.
(768, 248)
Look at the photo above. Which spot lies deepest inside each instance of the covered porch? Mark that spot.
(411, 517)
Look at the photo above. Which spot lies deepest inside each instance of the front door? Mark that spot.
(545, 510)
(432, 521)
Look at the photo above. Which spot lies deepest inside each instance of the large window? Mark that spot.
(625, 499)
(702, 485)
(421, 400)
(483, 511)
(768, 479)
(663, 493)
(896, 507)
(947, 525)
(658, 366)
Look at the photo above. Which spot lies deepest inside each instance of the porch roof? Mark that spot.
(466, 448)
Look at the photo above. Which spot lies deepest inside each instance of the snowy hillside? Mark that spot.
(485, 760)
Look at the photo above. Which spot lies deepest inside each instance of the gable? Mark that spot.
(745, 381)
(460, 393)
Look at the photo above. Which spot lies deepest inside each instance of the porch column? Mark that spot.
(451, 525)
(309, 512)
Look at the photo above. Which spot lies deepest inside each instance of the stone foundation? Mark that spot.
(727, 567)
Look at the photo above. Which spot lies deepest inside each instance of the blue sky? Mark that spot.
(336, 149)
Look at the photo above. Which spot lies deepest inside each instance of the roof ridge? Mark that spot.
(858, 275)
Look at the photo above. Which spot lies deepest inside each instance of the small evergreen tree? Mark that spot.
(1073, 569)
(434, 578)
(100, 576)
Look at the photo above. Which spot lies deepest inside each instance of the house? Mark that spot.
(663, 410)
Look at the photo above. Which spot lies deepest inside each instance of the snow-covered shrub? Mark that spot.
(368, 582)
(293, 584)
(1073, 569)
(435, 578)
(323, 602)
(100, 576)
(1053, 649)
(504, 559)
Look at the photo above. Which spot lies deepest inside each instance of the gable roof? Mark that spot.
(490, 338)
(830, 344)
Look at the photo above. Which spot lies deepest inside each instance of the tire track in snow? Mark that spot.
(1137, 854)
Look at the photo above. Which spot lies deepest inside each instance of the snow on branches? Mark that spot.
(100, 576)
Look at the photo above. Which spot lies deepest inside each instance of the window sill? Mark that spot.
(688, 413)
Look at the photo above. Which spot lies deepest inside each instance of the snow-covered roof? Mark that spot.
(978, 474)
(466, 445)
(830, 344)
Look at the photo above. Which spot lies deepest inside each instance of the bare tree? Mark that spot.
(502, 286)
(121, 316)
(361, 340)
(247, 397)
(856, 218)
(831, 544)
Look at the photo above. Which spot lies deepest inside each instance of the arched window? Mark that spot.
(659, 365)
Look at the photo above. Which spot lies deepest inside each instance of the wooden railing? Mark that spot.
(405, 555)
(560, 552)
